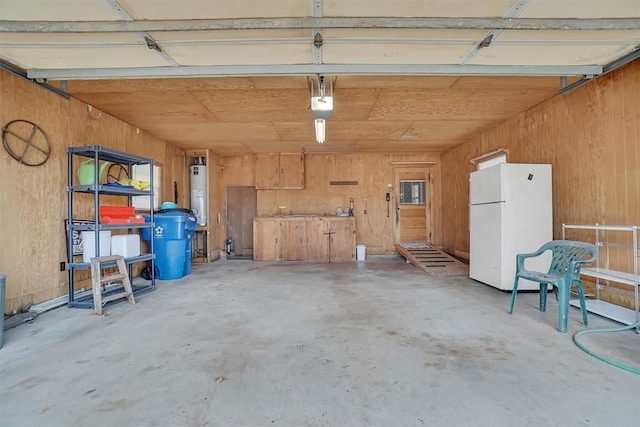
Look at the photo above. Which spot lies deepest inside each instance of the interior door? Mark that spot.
(241, 209)
(412, 202)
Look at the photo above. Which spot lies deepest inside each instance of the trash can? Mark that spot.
(361, 251)
(172, 233)
(3, 281)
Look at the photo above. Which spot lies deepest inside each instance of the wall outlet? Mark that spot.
(63, 266)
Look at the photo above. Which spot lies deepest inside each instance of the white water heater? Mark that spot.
(198, 179)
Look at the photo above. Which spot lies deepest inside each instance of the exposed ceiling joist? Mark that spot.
(309, 69)
(320, 22)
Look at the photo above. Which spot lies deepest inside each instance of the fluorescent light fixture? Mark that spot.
(321, 107)
(320, 128)
(322, 104)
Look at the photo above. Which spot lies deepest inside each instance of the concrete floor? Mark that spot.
(374, 343)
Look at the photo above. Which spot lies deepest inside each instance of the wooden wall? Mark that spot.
(34, 207)
(372, 171)
(591, 137)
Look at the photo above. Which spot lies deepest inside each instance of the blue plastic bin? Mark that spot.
(172, 234)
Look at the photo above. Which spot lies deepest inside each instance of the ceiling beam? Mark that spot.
(310, 69)
(117, 7)
(319, 22)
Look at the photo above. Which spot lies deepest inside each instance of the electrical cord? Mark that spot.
(602, 358)
(384, 227)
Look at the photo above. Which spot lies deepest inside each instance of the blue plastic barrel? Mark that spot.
(172, 233)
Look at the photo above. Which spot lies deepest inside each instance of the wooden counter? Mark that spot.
(304, 237)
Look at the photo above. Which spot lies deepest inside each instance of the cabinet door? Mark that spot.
(267, 240)
(267, 171)
(292, 171)
(316, 241)
(293, 240)
(343, 241)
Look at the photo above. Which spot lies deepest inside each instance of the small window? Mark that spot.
(412, 192)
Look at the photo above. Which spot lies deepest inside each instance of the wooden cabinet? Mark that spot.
(267, 239)
(316, 239)
(304, 238)
(343, 241)
(292, 240)
(279, 171)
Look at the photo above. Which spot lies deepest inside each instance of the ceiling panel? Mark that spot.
(244, 104)
(418, 35)
(85, 57)
(550, 84)
(147, 108)
(249, 36)
(394, 53)
(160, 85)
(57, 10)
(410, 8)
(424, 82)
(571, 37)
(544, 54)
(447, 130)
(216, 131)
(215, 9)
(457, 104)
(583, 9)
(241, 54)
(71, 39)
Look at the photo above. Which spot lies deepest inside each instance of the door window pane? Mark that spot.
(412, 192)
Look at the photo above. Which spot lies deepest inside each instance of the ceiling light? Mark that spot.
(320, 135)
(321, 107)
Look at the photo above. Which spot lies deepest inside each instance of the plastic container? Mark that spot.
(172, 234)
(88, 244)
(360, 252)
(119, 215)
(127, 245)
(3, 281)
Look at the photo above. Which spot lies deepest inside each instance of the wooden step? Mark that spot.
(432, 260)
(97, 280)
(115, 297)
(118, 277)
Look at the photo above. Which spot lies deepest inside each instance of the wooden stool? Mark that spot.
(97, 280)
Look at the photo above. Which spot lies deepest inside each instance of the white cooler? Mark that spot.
(127, 245)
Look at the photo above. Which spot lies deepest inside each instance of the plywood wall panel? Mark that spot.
(34, 198)
(589, 135)
(372, 171)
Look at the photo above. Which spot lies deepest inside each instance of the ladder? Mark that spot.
(97, 279)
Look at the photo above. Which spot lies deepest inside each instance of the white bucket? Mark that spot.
(360, 252)
(89, 244)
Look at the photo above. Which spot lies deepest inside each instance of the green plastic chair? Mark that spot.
(568, 257)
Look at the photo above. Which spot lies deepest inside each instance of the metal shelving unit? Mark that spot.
(99, 153)
(605, 275)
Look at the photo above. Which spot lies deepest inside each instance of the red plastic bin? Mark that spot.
(119, 215)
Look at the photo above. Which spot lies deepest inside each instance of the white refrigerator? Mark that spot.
(510, 212)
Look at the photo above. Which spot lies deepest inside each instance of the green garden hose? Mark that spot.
(604, 359)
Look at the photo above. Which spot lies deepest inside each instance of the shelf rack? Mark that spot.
(99, 153)
(604, 275)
